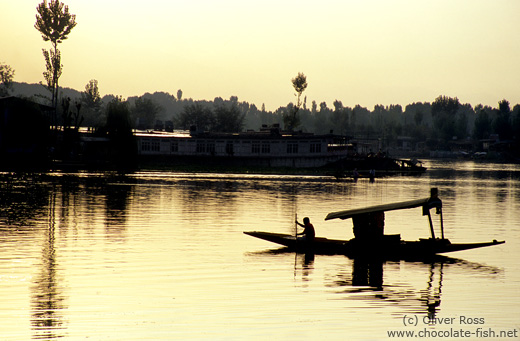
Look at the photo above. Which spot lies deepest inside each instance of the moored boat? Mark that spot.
(371, 242)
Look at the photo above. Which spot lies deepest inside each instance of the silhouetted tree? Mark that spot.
(462, 117)
(119, 129)
(6, 79)
(145, 110)
(516, 122)
(197, 115)
(339, 119)
(482, 127)
(444, 110)
(54, 22)
(91, 100)
(91, 97)
(179, 95)
(291, 120)
(228, 119)
(53, 73)
(502, 124)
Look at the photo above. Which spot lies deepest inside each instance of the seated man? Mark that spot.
(308, 233)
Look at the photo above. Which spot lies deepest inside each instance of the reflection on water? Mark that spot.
(48, 299)
(432, 294)
(366, 279)
(160, 255)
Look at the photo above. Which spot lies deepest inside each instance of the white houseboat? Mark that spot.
(268, 147)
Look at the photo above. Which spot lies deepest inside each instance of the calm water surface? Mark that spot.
(161, 255)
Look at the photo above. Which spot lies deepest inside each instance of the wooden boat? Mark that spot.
(373, 244)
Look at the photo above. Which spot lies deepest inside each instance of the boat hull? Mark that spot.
(387, 247)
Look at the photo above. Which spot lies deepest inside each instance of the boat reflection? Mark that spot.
(376, 280)
(367, 277)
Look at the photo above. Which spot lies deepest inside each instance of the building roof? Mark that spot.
(253, 135)
(14, 100)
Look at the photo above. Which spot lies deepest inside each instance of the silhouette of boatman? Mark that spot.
(308, 233)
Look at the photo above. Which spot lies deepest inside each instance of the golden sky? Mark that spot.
(359, 52)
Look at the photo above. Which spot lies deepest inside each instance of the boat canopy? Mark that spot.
(427, 204)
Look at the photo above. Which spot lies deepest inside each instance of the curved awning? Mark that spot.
(426, 203)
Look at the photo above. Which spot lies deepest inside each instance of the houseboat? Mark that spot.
(269, 147)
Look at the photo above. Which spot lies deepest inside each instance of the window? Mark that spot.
(175, 147)
(229, 147)
(315, 147)
(255, 148)
(156, 145)
(210, 147)
(266, 148)
(292, 148)
(201, 147)
(145, 146)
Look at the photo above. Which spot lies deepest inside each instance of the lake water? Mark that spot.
(161, 255)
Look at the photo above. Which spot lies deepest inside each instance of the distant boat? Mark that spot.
(370, 242)
(364, 165)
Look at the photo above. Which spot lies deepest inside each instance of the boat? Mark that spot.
(370, 242)
(354, 167)
(270, 147)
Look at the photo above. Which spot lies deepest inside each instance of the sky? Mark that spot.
(364, 52)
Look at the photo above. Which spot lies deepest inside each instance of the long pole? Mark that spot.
(296, 226)
(295, 240)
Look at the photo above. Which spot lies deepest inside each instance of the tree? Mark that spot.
(119, 128)
(53, 73)
(502, 124)
(444, 110)
(91, 96)
(300, 84)
(196, 115)
(482, 127)
(179, 94)
(54, 22)
(145, 110)
(516, 122)
(6, 79)
(291, 120)
(91, 100)
(228, 119)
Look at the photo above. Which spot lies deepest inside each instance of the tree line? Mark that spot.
(444, 119)
(438, 123)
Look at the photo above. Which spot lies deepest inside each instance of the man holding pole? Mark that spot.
(308, 233)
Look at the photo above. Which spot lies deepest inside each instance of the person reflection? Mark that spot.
(307, 266)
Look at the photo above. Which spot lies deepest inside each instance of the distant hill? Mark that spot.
(169, 105)
(39, 93)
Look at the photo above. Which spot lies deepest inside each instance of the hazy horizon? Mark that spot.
(366, 53)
